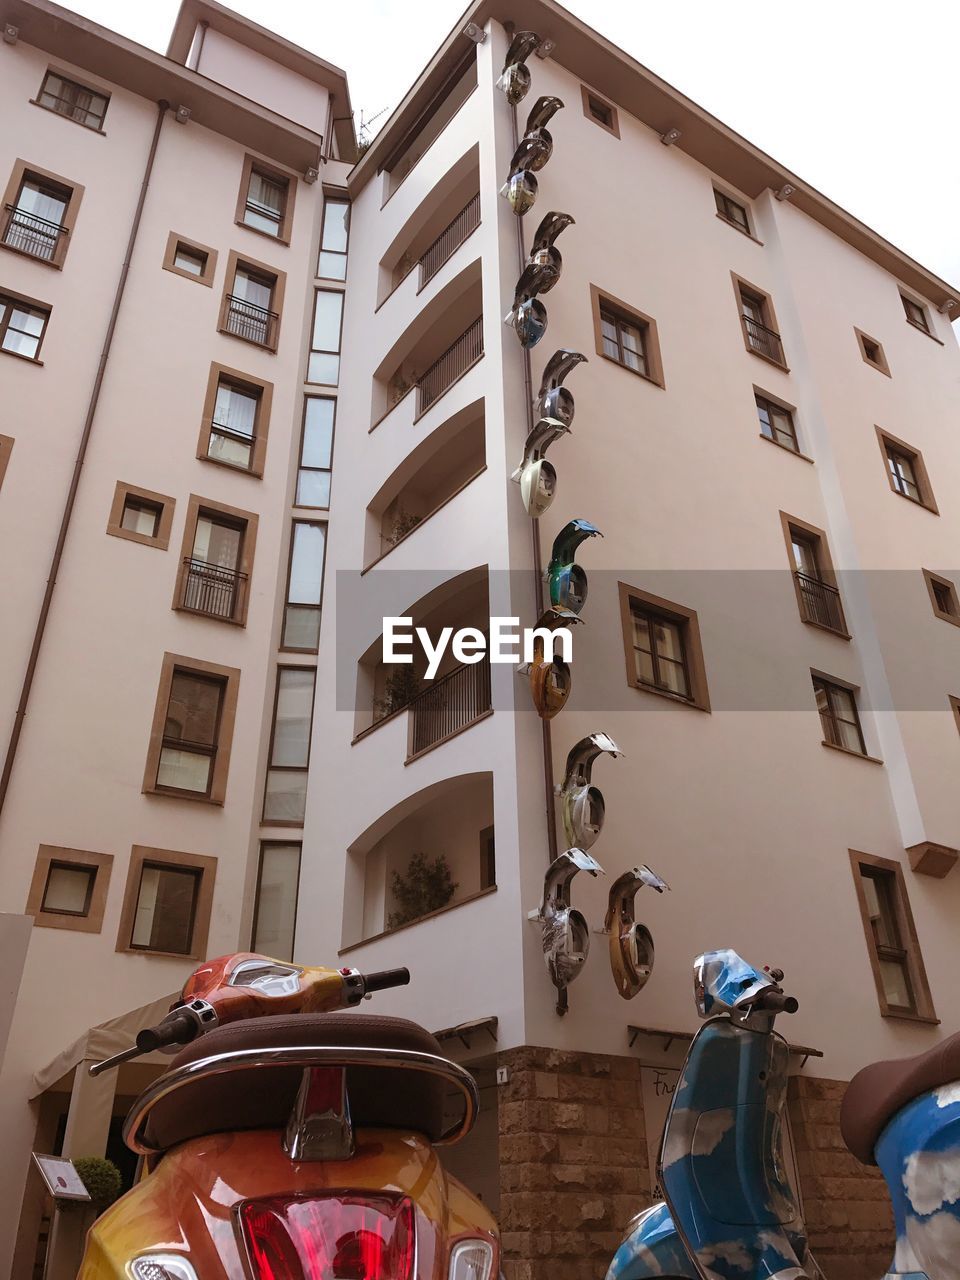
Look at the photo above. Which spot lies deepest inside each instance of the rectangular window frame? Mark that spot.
(829, 682)
(864, 342)
(276, 844)
(6, 449)
(909, 941)
(34, 304)
(585, 97)
(911, 304)
(174, 241)
(275, 768)
(271, 171)
(23, 170)
(101, 864)
(331, 198)
(893, 444)
(744, 290)
(166, 504)
(243, 262)
(826, 575)
(196, 507)
(935, 580)
(302, 506)
(171, 663)
(244, 381)
(600, 300)
(76, 84)
(722, 200)
(312, 350)
(683, 617)
(781, 406)
(286, 648)
(141, 855)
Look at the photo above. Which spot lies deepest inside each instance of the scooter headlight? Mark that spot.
(161, 1266)
(471, 1260)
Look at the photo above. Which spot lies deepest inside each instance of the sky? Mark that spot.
(857, 97)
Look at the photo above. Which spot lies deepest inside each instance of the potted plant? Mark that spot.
(425, 886)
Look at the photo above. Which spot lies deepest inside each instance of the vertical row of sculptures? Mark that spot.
(566, 934)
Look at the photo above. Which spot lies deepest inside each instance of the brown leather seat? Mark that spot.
(878, 1092)
(261, 1098)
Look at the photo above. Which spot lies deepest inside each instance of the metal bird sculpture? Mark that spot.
(566, 936)
(631, 943)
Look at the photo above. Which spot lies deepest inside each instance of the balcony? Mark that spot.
(448, 706)
(251, 322)
(29, 234)
(451, 366)
(449, 240)
(212, 589)
(765, 342)
(820, 603)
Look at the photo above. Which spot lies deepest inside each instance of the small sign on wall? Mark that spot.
(61, 1178)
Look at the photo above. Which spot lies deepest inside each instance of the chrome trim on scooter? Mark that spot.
(304, 1056)
(317, 1132)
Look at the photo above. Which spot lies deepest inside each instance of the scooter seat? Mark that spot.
(878, 1092)
(262, 1097)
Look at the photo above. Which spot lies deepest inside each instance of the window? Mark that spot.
(898, 969)
(69, 888)
(872, 352)
(275, 909)
(626, 336)
(776, 423)
(216, 561)
(74, 100)
(662, 647)
(301, 617)
(813, 577)
(22, 326)
(188, 258)
(730, 211)
(759, 323)
(600, 111)
(943, 597)
(285, 794)
(6, 449)
(839, 718)
(916, 313)
(324, 365)
(333, 241)
(167, 902)
(266, 200)
(252, 302)
(488, 859)
(235, 421)
(141, 516)
(189, 750)
(39, 211)
(316, 452)
(906, 471)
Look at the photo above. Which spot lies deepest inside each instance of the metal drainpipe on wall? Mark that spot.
(162, 108)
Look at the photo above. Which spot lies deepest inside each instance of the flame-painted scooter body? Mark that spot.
(730, 1213)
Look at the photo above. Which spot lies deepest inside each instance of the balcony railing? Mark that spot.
(449, 705)
(820, 602)
(453, 364)
(764, 341)
(30, 234)
(248, 320)
(449, 240)
(212, 589)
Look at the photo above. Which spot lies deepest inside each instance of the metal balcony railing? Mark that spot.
(449, 240)
(449, 705)
(212, 589)
(454, 362)
(820, 602)
(766, 342)
(30, 234)
(248, 320)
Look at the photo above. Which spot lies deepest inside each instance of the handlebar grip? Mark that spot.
(178, 1028)
(777, 1002)
(385, 979)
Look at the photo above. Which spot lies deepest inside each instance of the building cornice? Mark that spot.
(593, 59)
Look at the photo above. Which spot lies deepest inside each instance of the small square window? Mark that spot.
(839, 717)
(167, 903)
(943, 597)
(915, 313)
(600, 111)
(74, 100)
(872, 352)
(141, 515)
(188, 258)
(69, 888)
(731, 211)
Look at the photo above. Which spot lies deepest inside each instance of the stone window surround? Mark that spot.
(174, 241)
(21, 169)
(166, 504)
(100, 863)
(207, 866)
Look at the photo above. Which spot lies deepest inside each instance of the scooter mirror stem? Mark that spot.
(97, 1068)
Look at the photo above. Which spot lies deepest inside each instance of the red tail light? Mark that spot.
(347, 1236)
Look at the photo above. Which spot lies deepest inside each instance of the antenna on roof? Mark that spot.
(364, 136)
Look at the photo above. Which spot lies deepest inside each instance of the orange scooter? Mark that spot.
(290, 1140)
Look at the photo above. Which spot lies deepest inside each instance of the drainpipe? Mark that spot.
(548, 781)
(19, 716)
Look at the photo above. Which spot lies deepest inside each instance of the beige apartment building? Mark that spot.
(200, 761)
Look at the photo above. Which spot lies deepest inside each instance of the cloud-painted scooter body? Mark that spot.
(730, 1213)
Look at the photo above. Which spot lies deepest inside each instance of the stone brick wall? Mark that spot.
(847, 1207)
(573, 1161)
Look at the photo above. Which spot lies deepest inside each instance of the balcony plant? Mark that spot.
(400, 688)
(425, 886)
(404, 522)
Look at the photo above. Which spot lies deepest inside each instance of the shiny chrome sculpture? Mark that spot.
(528, 315)
(543, 254)
(515, 77)
(550, 682)
(566, 936)
(536, 476)
(568, 581)
(581, 804)
(553, 399)
(533, 151)
(631, 943)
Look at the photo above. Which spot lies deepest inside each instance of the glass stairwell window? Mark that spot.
(333, 242)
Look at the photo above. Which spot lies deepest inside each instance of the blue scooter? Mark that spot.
(730, 1213)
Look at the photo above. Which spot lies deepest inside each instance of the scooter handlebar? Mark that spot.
(777, 1002)
(176, 1028)
(385, 979)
